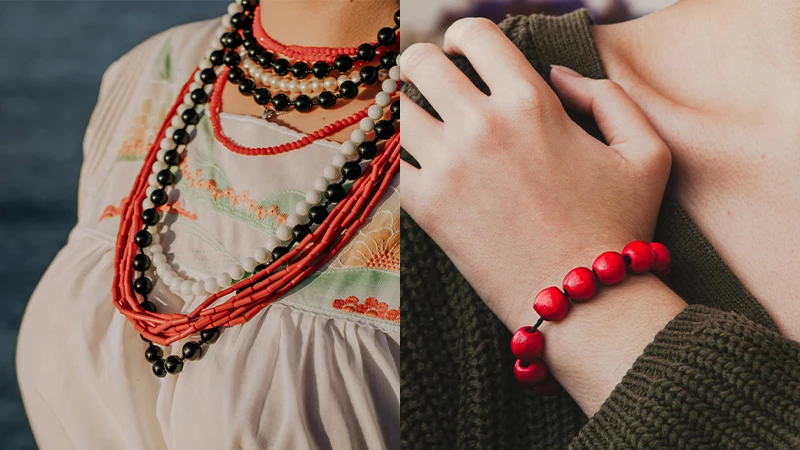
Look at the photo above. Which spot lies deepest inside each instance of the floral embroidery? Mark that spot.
(377, 246)
(370, 308)
(143, 129)
(175, 208)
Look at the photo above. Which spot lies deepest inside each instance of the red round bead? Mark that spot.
(526, 344)
(641, 255)
(663, 258)
(530, 372)
(551, 304)
(579, 284)
(548, 388)
(609, 267)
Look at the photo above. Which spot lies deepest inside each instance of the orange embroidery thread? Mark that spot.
(370, 308)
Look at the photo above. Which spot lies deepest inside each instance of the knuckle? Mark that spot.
(462, 29)
(415, 56)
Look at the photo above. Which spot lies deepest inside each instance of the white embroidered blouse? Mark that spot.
(316, 369)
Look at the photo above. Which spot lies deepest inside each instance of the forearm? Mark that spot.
(591, 349)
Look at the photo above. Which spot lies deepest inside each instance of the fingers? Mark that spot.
(437, 78)
(410, 184)
(419, 130)
(624, 126)
(496, 59)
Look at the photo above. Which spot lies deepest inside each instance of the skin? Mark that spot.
(330, 23)
(566, 197)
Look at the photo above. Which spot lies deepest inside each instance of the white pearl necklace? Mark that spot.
(185, 285)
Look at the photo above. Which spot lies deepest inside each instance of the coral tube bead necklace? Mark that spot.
(579, 285)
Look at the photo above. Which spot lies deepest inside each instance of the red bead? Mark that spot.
(609, 267)
(663, 258)
(548, 388)
(641, 256)
(526, 344)
(579, 284)
(530, 372)
(551, 304)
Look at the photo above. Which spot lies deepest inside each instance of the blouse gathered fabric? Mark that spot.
(318, 369)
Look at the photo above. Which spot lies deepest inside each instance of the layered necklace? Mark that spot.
(340, 201)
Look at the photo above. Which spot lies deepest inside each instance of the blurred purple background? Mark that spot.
(426, 20)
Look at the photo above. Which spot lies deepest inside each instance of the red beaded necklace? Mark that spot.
(327, 54)
(250, 295)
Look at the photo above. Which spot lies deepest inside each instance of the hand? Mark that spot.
(511, 189)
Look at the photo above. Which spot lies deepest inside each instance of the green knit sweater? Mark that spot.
(718, 376)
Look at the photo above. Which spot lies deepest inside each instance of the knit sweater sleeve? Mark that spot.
(710, 379)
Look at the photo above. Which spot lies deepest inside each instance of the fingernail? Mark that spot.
(565, 70)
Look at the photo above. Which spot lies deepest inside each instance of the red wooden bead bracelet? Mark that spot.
(579, 285)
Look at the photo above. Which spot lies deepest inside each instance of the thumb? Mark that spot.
(624, 126)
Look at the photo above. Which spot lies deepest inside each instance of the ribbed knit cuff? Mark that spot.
(709, 379)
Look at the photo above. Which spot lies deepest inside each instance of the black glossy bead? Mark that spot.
(384, 129)
(236, 74)
(159, 197)
(190, 116)
(300, 69)
(262, 96)
(397, 18)
(247, 33)
(369, 75)
(192, 350)
(300, 231)
(348, 89)
(279, 251)
(141, 262)
(250, 44)
(246, 86)
(217, 57)
(173, 364)
(165, 177)
(265, 59)
(153, 353)
(150, 216)
(208, 76)
(367, 150)
(142, 285)
(320, 69)
(199, 96)
(158, 369)
(231, 40)
(249, 5)
(395, 109)
(281, 102)
(281, 66)
(366, 52)
(317, 214)
(232, 59)
(388, 59)
(148, 306)
(327, 99)
(335, 193)
(351, 170)
(303, 103)
(143, 238)
(240, 20)
(343, 63)
(209, 336)
(180, 137)
(386, 36)
(259, 268)
(173, 157)
(254, 50)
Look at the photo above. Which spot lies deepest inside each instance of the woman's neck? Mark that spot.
(327, 23)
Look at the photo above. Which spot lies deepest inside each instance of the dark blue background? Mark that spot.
(52, 56)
